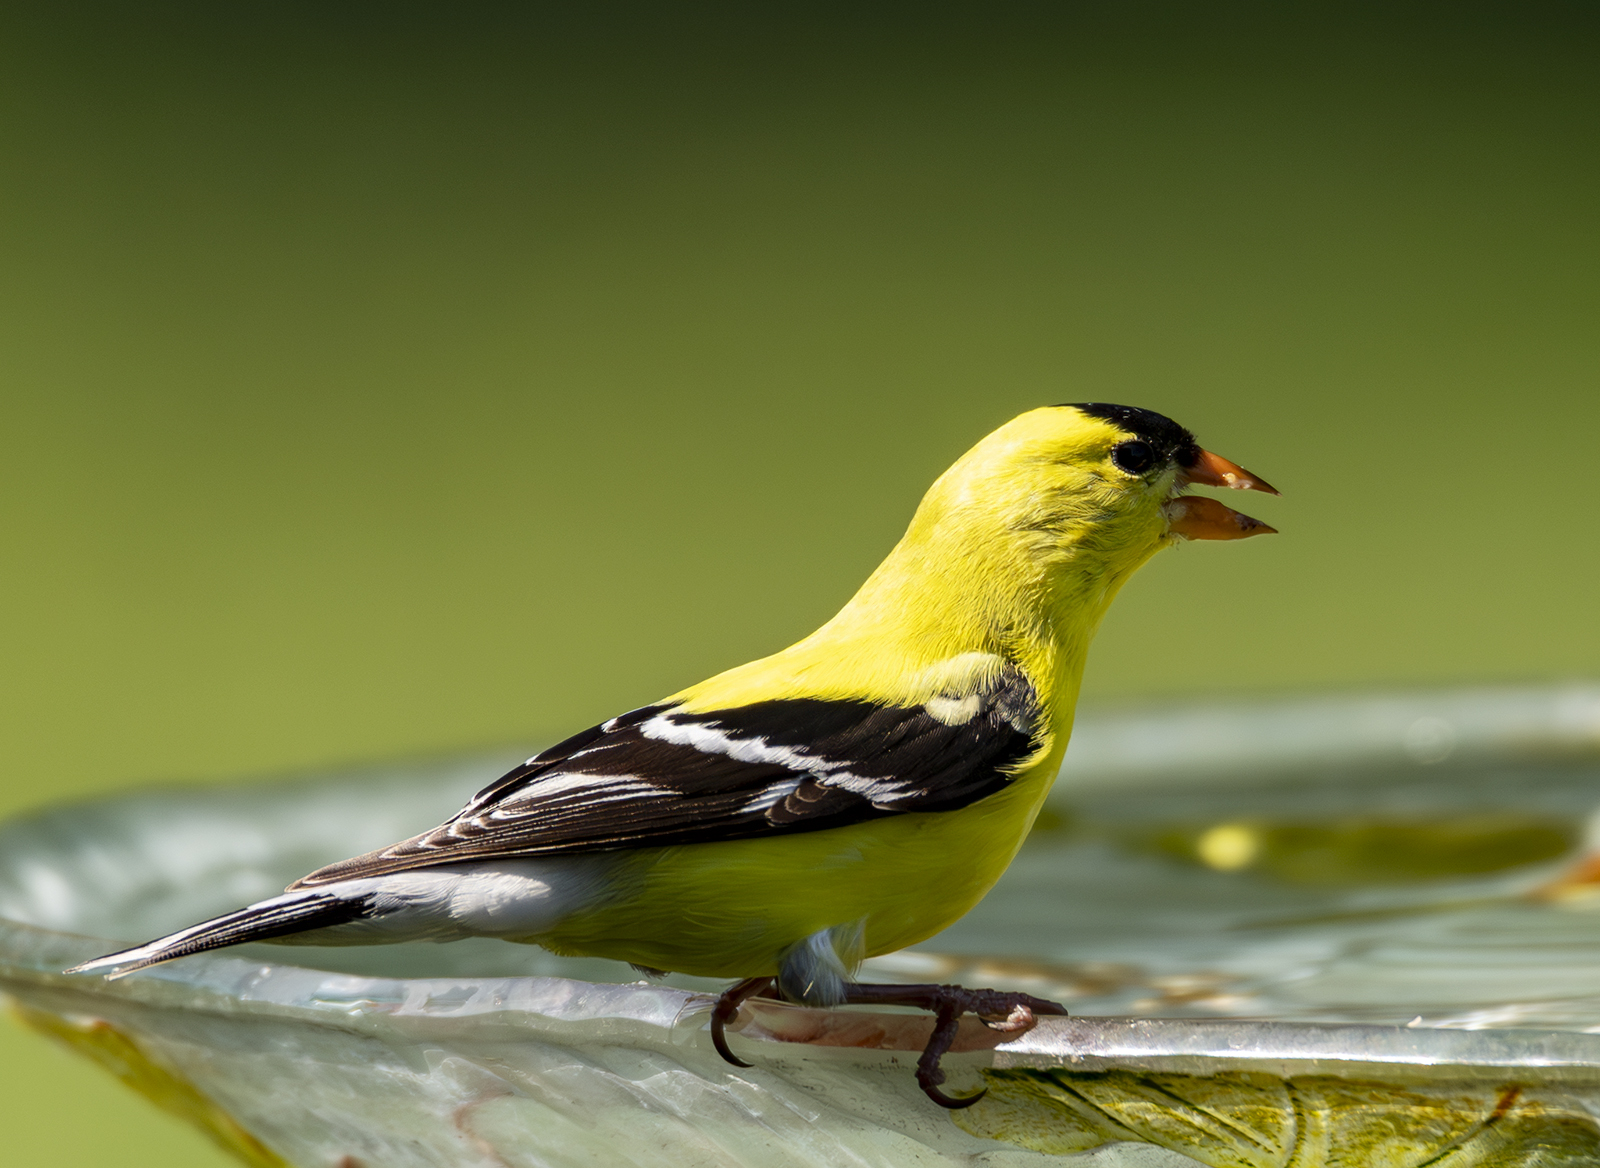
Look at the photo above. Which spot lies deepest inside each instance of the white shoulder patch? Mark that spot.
(960, 675)
(954, 711)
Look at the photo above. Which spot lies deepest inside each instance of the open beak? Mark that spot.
(1197, 517)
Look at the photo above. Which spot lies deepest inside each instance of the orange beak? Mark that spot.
(1212, 470)
(1197, 517)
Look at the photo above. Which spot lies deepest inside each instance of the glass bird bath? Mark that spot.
(1352, 932)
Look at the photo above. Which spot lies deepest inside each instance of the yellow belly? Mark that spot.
(732, 909)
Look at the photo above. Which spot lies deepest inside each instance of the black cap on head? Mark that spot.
(1169, 439)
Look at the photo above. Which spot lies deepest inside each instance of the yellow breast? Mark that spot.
(732, 909)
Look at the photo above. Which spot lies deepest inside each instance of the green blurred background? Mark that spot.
(381, 380)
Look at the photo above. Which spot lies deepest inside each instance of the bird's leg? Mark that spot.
(1000, 1011)
(727, 1009)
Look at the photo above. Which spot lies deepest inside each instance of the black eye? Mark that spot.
(1134, 457)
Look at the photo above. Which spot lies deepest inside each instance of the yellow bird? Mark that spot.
(848, 796)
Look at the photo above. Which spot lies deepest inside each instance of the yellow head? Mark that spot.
(1086, 484)
(1064, 503)
(1014, 554)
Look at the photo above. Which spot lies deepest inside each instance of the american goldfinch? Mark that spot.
(848, 796)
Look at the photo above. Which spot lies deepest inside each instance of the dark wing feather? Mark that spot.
(660, 776)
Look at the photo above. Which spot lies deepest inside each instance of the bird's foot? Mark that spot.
(727, 1009)
(999, 1011)
(1006, 1012)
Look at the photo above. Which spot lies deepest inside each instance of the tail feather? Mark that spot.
(282, 916)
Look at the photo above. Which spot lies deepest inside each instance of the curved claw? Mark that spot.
(720, 1041)
(946, 1021)
(727, 1009)
(953, 1102)
(1019, 1021)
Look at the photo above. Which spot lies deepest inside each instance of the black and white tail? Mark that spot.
(282, 916)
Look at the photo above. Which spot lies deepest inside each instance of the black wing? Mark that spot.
(661, 776)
